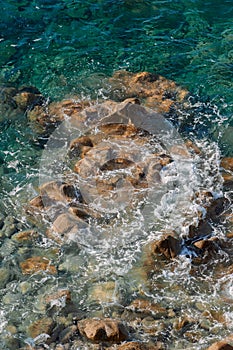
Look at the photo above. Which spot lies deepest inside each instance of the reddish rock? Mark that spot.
(37, 264)
(168, 245)
(103, 330)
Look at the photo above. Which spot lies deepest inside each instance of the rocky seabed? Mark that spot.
(127, 243)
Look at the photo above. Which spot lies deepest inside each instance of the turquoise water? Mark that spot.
(71, 48)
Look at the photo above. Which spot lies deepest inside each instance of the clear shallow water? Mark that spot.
(71, 48)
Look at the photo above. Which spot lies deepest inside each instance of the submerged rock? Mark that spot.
(153, 90)
(37, 264)
(145, 308)
(45, 118)
(14, 102)
(221, 345)
(103, 330)
(141, 346)
(42, 326)
(66, 228)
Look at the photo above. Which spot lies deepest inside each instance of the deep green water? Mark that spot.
(69, 47)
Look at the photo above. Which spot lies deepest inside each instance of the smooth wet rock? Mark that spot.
(62, 295)
(66, 335)
(37, 264)
(80, 146)
(103, 330)
(55, 191)
(14, 102)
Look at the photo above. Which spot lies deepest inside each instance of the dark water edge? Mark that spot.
(71, 48)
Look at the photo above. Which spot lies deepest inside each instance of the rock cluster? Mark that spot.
(122, 175)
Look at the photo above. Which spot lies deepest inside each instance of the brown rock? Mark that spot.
(37, 202)
(37, 264)
(103, 330)
(202, 229)
(43, 325)
(217, 207)
(227, 163)
(230, 234)
(208, 245)
(24, 236)
(227, 177)
(80, 146)
(155, 91)
(183, 324)
(168, 245)
(191, 145)
(124, 130)
(28, 97)
(45, 118)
